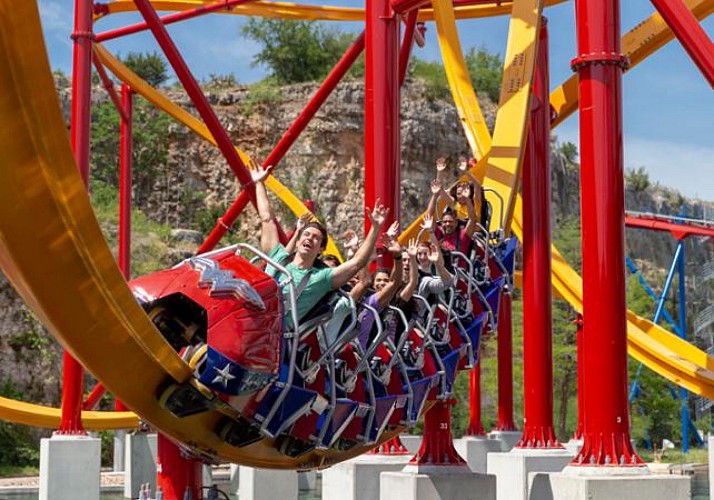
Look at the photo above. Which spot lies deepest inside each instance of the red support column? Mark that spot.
(126, 149)
(288, 139)
(73, 373)
(538, 429)
(505, 365)
(690, 34)
(176, 472)
(437, 444)
(599, 66)
(407, 44)
(382, 107)
(581, 387)
(475, 427)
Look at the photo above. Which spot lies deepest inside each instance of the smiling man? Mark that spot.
(311, 283)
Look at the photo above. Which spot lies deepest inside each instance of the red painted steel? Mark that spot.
(288, 139)
(73, 373)
(538, 431)
(93, 398)
(407, 45)
(108, 85)
(195, 93)
(176, 471)
(599, 66)
(690, 34)
(393, 446)
(125, 169)
(680, 230)
(169, 19)
(404, 6)
(437, 444)
(475, 427)
(126, 149)
(581, 387)
(505, 365)
(381, 112)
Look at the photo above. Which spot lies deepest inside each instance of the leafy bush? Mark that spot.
(265, 91)
(434, 77)
(569, 151)
(19, 446)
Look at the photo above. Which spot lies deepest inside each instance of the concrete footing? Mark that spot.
(512, 469)
(69, 468)
(475, 449)
(267, 484)
(411, 442)
(307, 480)
(616, 484)
(359, 478)
(508, 439)
(573, 446)
(139, 462)
(119, 451)
(234, 479)
(437, 483)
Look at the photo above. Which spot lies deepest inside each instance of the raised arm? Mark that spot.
(299, 226)
(436, 191)
(386, 294)
(471, 225)
(344, 272)
(269, 231)
(437, 258)
(408, 291)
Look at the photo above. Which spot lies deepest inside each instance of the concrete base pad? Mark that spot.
(512, 469)
(475, 449)
(358, 479)
(411, 442)
(234, 480)
(139, 463)
(307, 480)
(449, 484)
(569, 486)
(573, 446)
(267, 484)
(508, 439)
(69, 468)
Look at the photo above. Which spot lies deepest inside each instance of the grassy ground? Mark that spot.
(12, 471)
(695, 455)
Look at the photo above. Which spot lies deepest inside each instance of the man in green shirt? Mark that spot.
(311, 283)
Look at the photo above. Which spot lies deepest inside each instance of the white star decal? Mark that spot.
(224, 376)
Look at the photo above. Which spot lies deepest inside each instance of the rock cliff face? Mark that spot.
(325, 165)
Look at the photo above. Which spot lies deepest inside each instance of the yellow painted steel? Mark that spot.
(53, 252)
(637, 44)
(43, 416)
(503, 171)
(162, 102)
(462, 89)
(286, 10)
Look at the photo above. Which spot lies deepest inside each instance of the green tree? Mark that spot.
(151, 145)
(433, 75)
(637, 178)
(569, 151)
(295, 51)
(486, 71)
(149, 66)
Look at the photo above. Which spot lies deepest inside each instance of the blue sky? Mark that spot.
(668, 106)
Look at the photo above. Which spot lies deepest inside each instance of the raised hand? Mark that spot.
(435, 186)
(393, 231)
(303, 221)
(440, 164)
(351, 242)
(257, 172)
(378, 215)
(463, 165)
(412, 248)
(435, 254)
(391, 245)
(427, 222)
